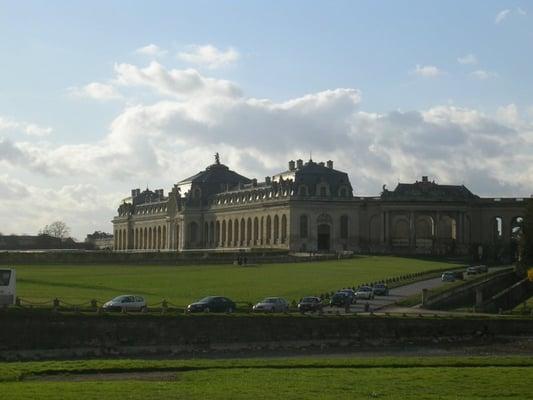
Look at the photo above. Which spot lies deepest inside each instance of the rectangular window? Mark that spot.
(5, 277)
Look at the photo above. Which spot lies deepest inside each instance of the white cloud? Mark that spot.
(163, 141)
(97, 91)
(521, 11)
(502, 15)
(427, 71)
(483, 75)
(468, 59)
(29, 128)
(172, 82)
(151, 50)
(209, 56)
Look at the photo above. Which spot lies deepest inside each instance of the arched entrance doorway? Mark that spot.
(323, 237)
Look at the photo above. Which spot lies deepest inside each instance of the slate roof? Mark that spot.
(428, 191)
(216, 174)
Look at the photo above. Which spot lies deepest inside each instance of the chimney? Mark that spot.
(291, 165)
(321, 163)
(299, 164)
(135, 193)
(267, 180)
(254, 182)
(425, 179)
(330, 164)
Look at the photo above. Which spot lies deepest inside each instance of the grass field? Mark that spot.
(351, 378)
(182, 284)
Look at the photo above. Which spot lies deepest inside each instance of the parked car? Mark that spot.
(473, 270)
(340, 299)
(447, 276)
(364, 292)
(483, 268)
(272, 304)
(350, 293)
(127, 302)
(381, 289)
(310, 303)
(212, 304)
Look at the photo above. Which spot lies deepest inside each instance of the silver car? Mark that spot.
(127, 302)
(272, 304)
(364, 292)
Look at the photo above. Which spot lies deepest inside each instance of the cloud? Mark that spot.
(468, 59)
(81, 206)
(483, 75)
(427, 71)
(151, 50)
(521, 11)
(173, 82)
(29, 128)
(501, 16)
(209, 56)
(174, 136)
(96, 91)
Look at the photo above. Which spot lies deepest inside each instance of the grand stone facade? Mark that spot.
(312, 207)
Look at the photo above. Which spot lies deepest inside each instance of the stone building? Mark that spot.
(311, 207)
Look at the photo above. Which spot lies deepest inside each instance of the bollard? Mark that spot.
(17, 301)
(164, 306)
(94, 304)
(55, 303)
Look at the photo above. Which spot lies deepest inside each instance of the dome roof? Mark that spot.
(216, 173)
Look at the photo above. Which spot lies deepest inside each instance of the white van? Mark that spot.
(8, 287)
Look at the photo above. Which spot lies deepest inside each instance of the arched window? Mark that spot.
(304, 223)
(248, 231)
(236, 232)
(224, 233)
(344, 227)
(283, 228)
(193, 233)
(269, 230)
(303, 191)
(276, 229)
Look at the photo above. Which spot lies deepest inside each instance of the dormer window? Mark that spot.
(197, 193)
(343, 192)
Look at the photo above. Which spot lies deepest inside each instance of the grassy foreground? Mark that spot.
(182, 284)
(354, 378)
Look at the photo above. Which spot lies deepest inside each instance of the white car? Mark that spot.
(364, 292)
(127, 302)
(272, 304)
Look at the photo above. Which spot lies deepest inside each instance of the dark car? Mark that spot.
(212, 304)
(350, 293)
(310, 304)
(381, 289)
(340, 299)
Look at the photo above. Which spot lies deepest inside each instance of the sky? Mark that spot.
(100, 97)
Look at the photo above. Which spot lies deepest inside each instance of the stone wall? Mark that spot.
(510, 297)
(67, 336)
(42, 335)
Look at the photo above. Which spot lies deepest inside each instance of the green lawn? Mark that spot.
(182, 284)
(351, 378)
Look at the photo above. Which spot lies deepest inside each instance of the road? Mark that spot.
(384, 303)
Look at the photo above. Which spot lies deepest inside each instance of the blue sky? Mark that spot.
(390, 89)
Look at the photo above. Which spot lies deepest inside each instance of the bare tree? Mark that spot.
(57, 229)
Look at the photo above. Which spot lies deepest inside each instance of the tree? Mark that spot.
(57, 229)
(526, 236)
